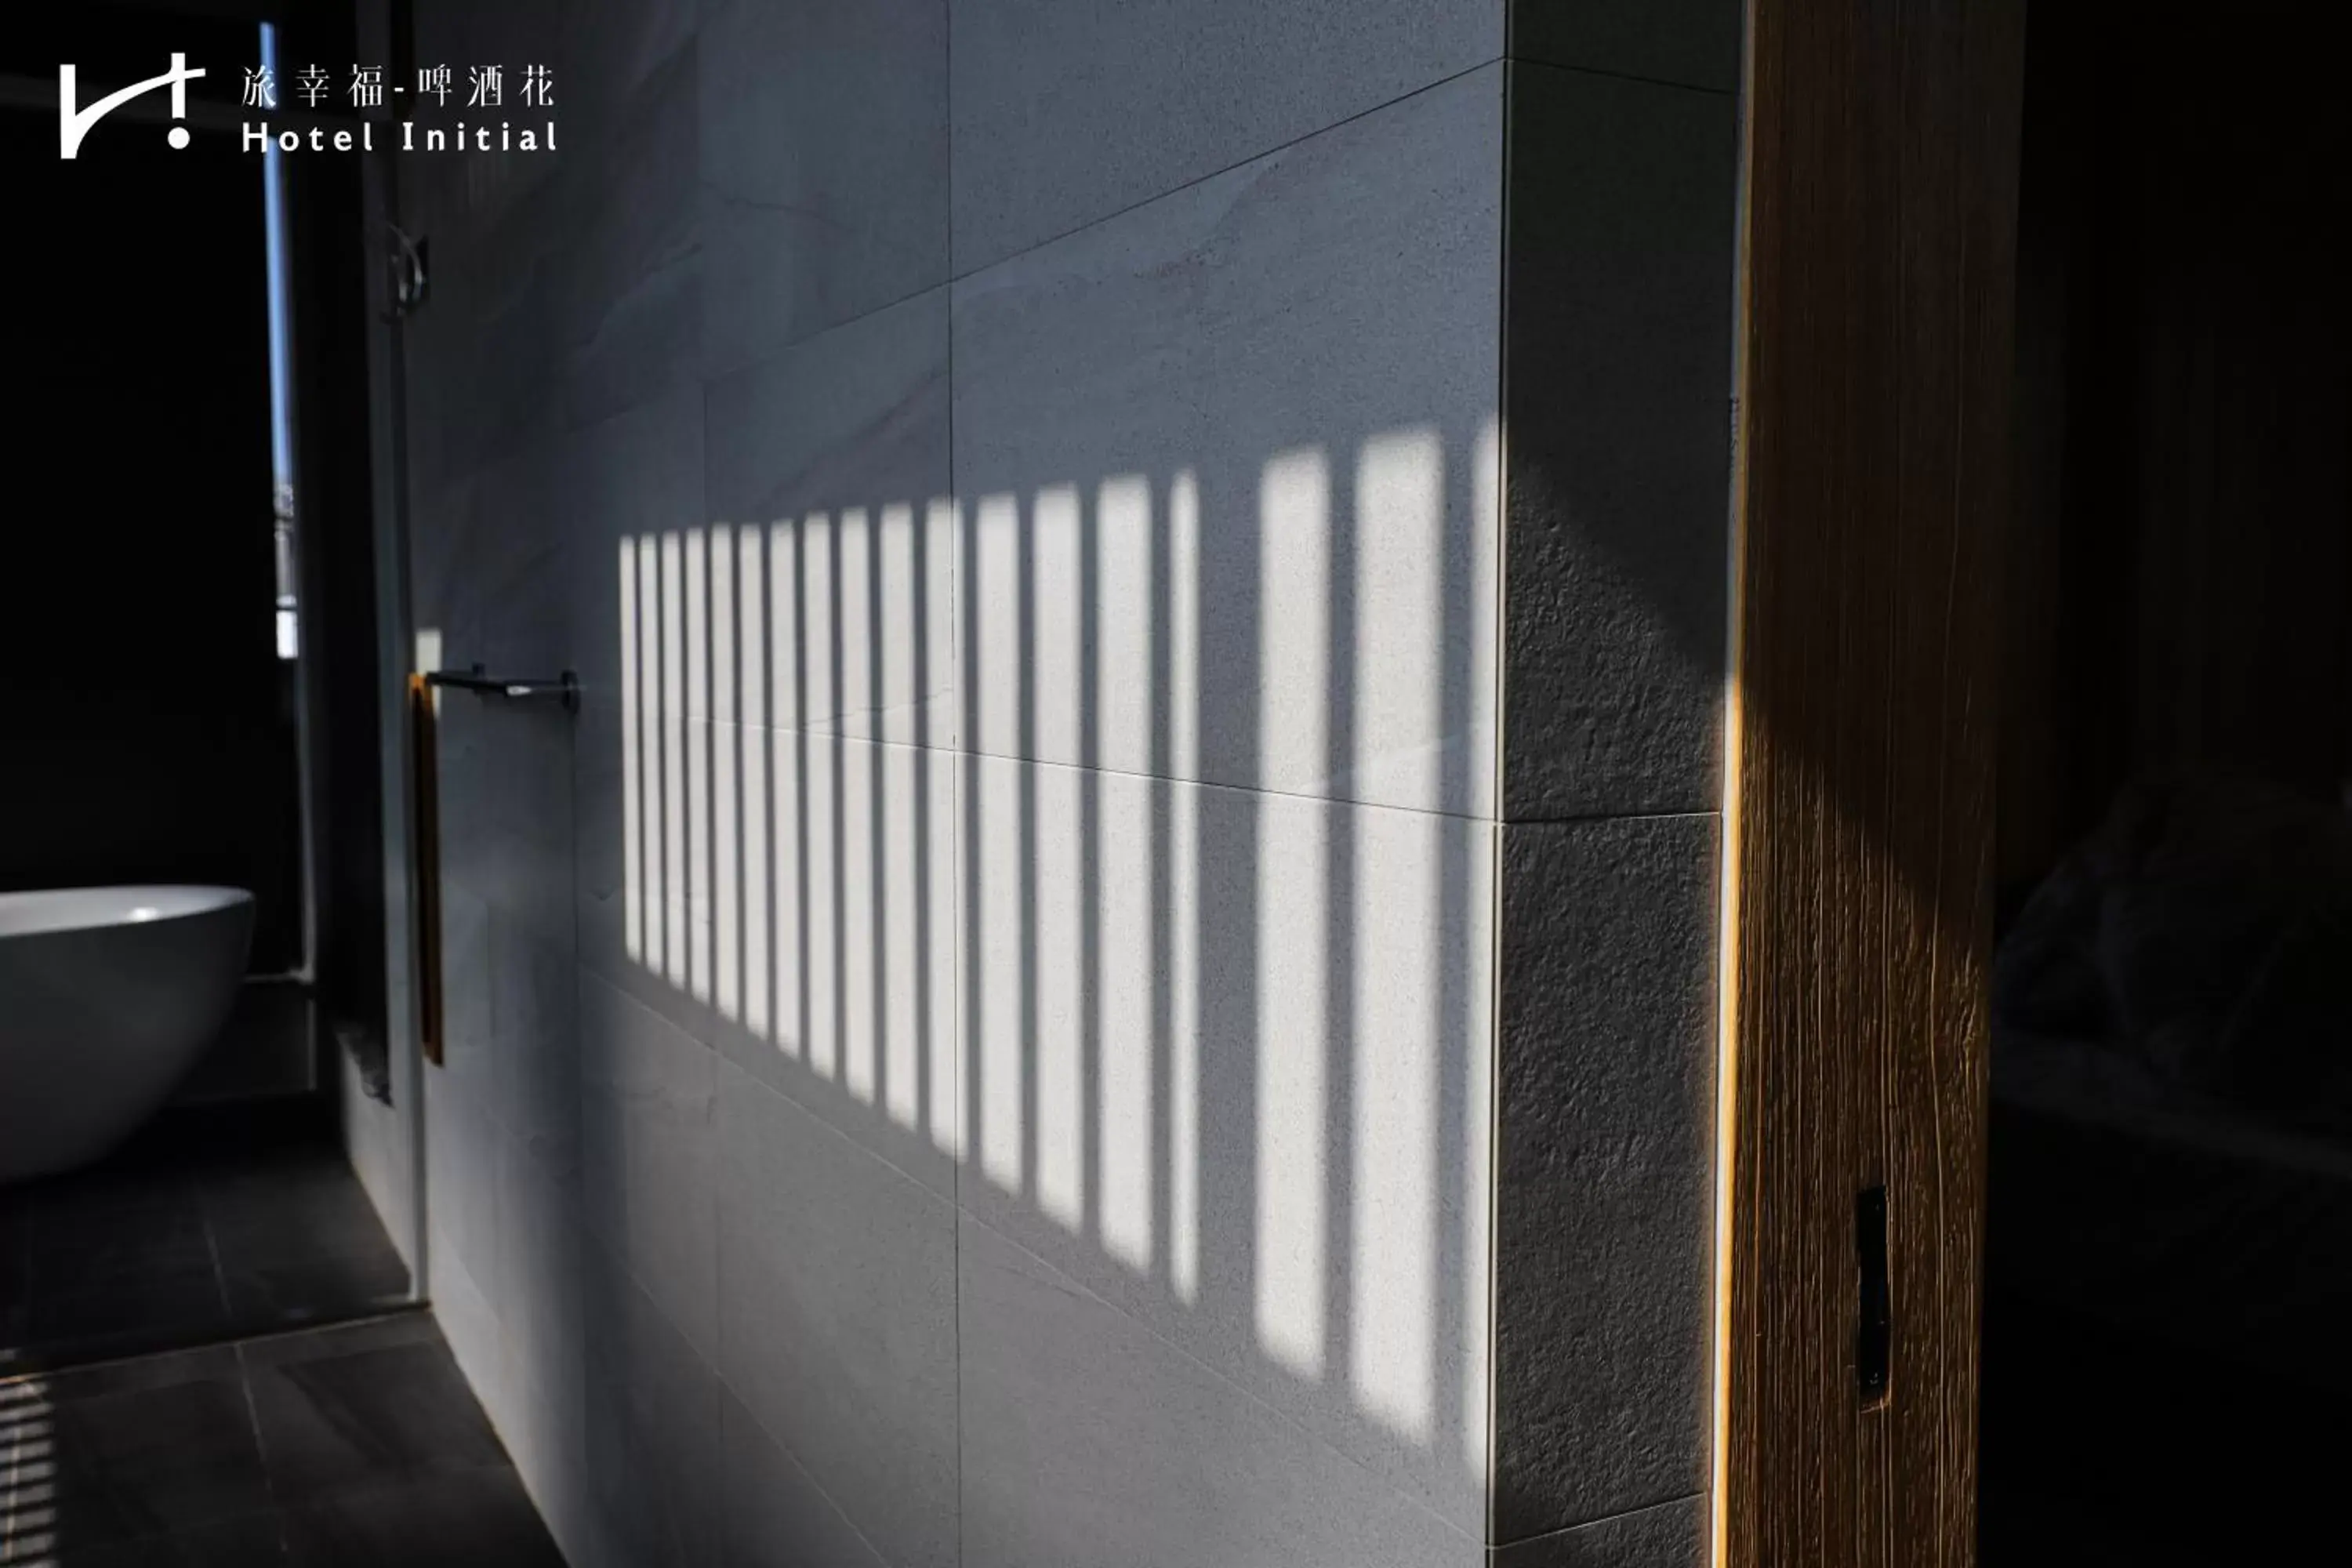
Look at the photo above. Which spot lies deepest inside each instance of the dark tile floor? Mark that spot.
(353, 1447)
(211, 1226)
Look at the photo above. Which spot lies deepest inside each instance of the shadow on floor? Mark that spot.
(357, 1447)
(211, 1225)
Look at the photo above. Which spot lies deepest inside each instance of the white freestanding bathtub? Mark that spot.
(106, 997)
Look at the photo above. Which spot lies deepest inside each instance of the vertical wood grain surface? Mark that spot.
(1874, 452)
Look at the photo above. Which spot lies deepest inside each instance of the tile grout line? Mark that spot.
(1634, 77)
(957, 937)
(733, 367)
(1503, 56)
(955, 276)
(260, 1447)
(1492, 817)
(793, 1458)
(212, 1251)
(960, 751)
(1615, 1517)
(230, 1344)
(1498, 759)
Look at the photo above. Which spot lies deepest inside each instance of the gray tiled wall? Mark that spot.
(1618, 342)
(981, 1041)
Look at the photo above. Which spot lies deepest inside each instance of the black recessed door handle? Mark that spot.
(1874, 1330)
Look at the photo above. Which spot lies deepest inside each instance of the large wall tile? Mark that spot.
(1228, 462)
(838, 1318)
(541, 1304)
(830, 462)
(1605, 1127)
(1226, 1064)
(653, 1428)
(1622, 219)
(610, 49)
(468, 1038)
(1067, 111)
(636, 476)
(1694, 43)
(535, 1017)
(1664, 1535)
(511, 611)
(1086, 1439)
(482, 557)
(775, 1515)
(632, 306)
(647, 1150)
(825, 165)
(525, 800)
(495, 329)
(507, 844)
(461, 1163)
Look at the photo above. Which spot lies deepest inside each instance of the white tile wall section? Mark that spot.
(1150, 1456)
(825, 142)
(1301, 355)
(775, 1511)
(838, 1318)
(1025, 1094)
(648, 1115)
(1067, 113)
(1088, 1072)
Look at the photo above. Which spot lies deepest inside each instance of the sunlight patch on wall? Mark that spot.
(828, 783)
(633, 882)
(1396, 1079)
(672, 757)
(998, 958)
(1400, 608)
(697, 768)
(862, 959)
(787, 824)
(1294, 603)
(1184, 1153)
(823, 916)
(995, 600)
(726, 859)
(758, 972)
(1292, 962)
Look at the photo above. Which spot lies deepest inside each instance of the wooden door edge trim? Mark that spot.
(1726, 1011)
(1887, 135)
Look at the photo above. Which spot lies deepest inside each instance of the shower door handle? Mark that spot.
(424, 831)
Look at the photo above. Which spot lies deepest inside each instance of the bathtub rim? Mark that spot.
(54, 911)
